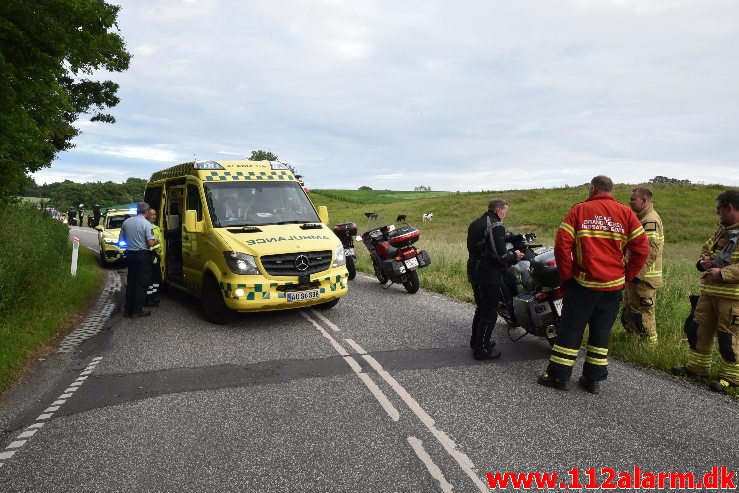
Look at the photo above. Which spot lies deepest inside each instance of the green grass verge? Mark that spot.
(39, 298)
(687, 212)
(377, 196)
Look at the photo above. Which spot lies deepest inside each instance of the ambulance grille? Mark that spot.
(284, 264)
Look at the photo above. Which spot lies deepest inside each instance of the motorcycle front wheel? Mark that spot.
(378, 272)
(351, 267)
(412, 282)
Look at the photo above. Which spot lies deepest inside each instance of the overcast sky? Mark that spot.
(456, 95)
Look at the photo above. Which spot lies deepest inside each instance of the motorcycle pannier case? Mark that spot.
(345, 231)
(544, 270)
(403, 236)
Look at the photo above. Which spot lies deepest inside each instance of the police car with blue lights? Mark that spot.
(112, 248)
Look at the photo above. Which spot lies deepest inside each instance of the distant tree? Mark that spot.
(664, 179)
(261, 155)
(46, 49)
(422, 189)
(365, 187)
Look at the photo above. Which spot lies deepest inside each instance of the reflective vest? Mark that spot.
(592, 241)
(728, 285)
(158, 235)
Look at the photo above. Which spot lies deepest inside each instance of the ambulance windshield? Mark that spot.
(115, 222)
(251, 203)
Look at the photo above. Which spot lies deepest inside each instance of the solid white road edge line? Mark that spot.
(378, 394)
(460, 457)
(31, 430)
(433, 469)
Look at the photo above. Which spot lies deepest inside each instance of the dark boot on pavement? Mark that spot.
(548, 381)
(142, 314)
(592, 386)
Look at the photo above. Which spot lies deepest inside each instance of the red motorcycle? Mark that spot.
(394, 257)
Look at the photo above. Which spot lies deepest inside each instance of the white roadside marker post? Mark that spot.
(75, 254)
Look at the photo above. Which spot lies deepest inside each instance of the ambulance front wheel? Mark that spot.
(214, 306)
(328, 305)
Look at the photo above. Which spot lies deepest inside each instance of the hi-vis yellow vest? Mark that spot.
(652, 224)
(728, 285)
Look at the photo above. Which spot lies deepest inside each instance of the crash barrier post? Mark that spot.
(75, 254)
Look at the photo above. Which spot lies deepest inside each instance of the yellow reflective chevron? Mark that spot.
(562, 361)
(564, 350)
(636, 233)
(595, 284)
(592, 233)
(566, 227)
(597, 350)
(596, 361)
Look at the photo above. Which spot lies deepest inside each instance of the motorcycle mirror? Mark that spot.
(358, 238)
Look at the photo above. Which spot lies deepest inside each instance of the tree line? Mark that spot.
(66, 194)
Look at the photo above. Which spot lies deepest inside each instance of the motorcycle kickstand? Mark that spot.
(388, 285)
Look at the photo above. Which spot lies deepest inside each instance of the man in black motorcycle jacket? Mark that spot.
(487, 258)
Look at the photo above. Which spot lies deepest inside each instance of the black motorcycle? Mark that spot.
(531, 297)
(346, 233)
(394, 257)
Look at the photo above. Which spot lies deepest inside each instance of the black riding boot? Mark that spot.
(483, 348)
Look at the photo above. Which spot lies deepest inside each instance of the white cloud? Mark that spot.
(463, 95)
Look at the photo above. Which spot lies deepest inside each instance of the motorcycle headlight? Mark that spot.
(339, 257)
(241, 263)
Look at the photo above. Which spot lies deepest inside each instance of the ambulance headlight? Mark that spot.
(339, 257)
(241, 263)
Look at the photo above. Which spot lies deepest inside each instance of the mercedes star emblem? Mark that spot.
(301, 263)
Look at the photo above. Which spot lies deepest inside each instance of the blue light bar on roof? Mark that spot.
(278, 165)
(207, 165)
(133, 210)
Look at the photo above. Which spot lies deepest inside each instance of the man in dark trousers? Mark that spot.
(590, 249)
(487, 256)
(137, 232)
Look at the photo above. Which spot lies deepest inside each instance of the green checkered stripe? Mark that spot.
(266, 291)
(278, 175)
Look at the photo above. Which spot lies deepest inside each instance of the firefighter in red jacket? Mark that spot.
(590, 250)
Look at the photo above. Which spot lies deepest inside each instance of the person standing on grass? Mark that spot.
(152, 291)
(487, 257)
(591, 249)
(640, 295)
(136, 231)
(717, 311)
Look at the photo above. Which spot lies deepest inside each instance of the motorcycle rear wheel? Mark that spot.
(351, 267)
(412, 283)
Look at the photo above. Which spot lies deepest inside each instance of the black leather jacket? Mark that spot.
(486, 262)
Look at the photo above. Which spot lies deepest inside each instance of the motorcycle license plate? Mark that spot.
(411, 263)
(303, 295)
(558, 306)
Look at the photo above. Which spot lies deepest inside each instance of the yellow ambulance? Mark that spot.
(243, 236)
(109, 229)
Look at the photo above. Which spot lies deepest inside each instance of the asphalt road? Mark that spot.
(379, 394)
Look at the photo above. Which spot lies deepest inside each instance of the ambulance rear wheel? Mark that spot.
(351, 267)
(214, 306)
(412, 282)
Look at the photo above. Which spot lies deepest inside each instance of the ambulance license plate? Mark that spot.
(303, 295)
(411, 263)
(558, 306)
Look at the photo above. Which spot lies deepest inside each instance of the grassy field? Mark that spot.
(687, 211)
(378, 196)
(39, 299)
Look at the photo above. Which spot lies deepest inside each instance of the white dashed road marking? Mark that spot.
(433, 469)
(32, 429)
(446, 442)
(366, 379)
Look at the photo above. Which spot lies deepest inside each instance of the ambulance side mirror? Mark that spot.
(323, 213)
(99, 227)
(191, 222)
